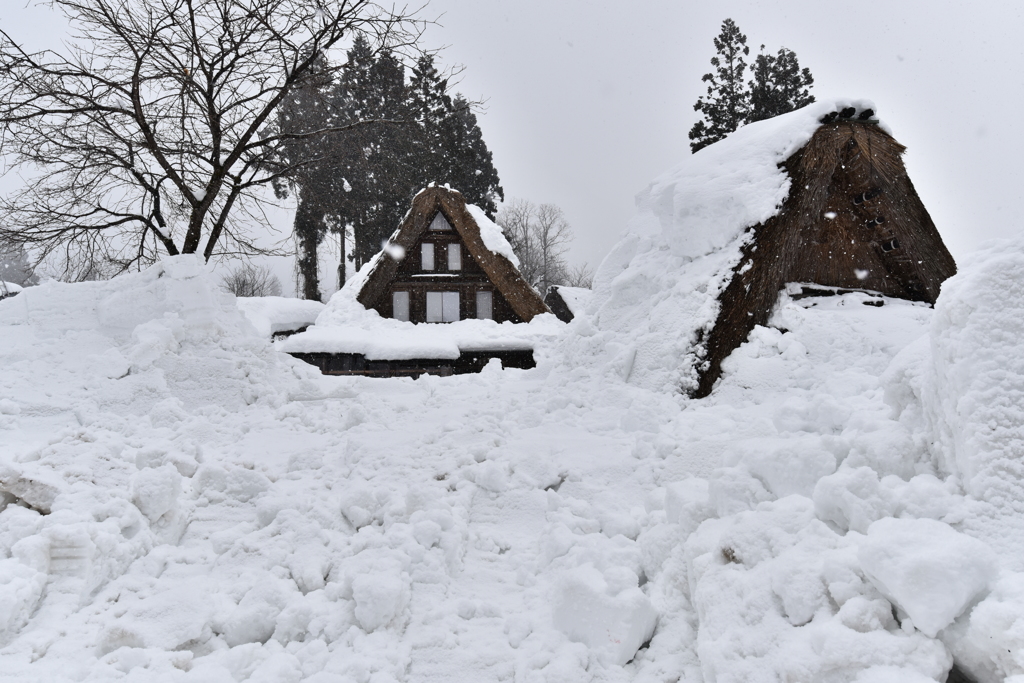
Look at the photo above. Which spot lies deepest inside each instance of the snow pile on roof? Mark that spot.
(8, 289)
(345, 326)
(491, 234)
(273, 314)
(386, 339)
(576, 298)
(657, 288)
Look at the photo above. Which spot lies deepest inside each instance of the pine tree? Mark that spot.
(728, 102)
(449, 147)
(408, 136)
(377, 165)
(472, 169)
(779, 85)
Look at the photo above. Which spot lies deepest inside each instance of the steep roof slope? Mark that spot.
(789, 199)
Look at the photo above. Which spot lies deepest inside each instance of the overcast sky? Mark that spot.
(589, 100)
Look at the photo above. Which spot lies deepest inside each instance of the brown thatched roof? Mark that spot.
(523, 298)
(852, 220)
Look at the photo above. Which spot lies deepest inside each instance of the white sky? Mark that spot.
(588, 100)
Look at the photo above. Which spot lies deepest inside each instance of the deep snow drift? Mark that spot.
(196, 506)
(183, 502)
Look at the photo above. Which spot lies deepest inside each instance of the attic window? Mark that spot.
(440, 222)
(427, 256)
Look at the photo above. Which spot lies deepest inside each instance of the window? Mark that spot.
(440, 222)
(427, 257)
(400, 306)
(450, 306)
(484, 306)
(434, 312)
(454, 257)
(442, 307)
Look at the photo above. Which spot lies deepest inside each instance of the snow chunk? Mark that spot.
(606, 612)
(21, 586)
(379, 599)
(491, 235)
(929, 570)
(155, 491)
(273, 314)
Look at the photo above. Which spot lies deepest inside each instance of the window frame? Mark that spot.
(428, 254)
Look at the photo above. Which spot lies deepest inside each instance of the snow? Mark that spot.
(383, 338)
(9, 289)
(181, 501)
(972, 390)
(576, 298)
(491, 235)
(927, 569)
(606, 612)
(273, 314)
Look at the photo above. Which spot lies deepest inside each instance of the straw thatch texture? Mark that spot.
(523, 299)
(852, 220)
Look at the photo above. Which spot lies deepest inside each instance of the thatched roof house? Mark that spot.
(447, 262)
(819, 195)
(852, 220)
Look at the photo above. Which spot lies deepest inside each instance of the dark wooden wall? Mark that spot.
(410, 277)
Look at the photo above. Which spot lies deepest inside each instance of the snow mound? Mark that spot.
(974, 389)
(273, 314)
(657, 289)
(606, 612)
(926, 568)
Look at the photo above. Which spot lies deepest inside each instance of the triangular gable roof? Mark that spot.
(852, 219)
(502, 272)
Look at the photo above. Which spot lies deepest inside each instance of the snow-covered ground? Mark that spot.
(196, 506)
(181, 501)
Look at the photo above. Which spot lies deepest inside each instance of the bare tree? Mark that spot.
(539, 236)
(516, 222)
(552, 236)
(252, 280)
(148, 133)
(580, 276)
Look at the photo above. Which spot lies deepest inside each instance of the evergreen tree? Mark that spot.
(306, 111)
(408, 135)
(779, 85)
(15, 266)
(449, 148)
(377, 161)
(472, 169)
(727, 103)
